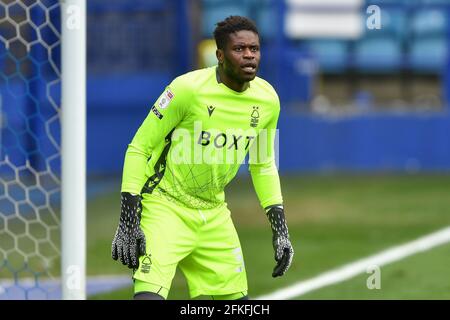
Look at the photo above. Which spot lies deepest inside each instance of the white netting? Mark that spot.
(30, 152)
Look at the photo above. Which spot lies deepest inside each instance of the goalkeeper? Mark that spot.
(190, 146)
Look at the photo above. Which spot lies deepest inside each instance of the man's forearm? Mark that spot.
(266, 183)
(134, 168)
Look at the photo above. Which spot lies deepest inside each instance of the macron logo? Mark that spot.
(211, 110)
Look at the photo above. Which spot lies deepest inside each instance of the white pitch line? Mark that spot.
(350, 270)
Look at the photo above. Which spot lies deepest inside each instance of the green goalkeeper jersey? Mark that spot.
(196, 136)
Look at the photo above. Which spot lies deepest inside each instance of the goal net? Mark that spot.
(30, 154)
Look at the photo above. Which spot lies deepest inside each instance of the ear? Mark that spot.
(220, 55)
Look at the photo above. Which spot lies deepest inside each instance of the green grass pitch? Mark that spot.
(333, 220)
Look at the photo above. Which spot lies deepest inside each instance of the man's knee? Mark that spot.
(149, 291)
(147, 296)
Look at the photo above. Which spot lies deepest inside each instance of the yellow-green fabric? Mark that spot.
(202, 243)
(195, 137)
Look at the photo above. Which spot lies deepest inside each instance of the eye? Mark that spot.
(238, 49)
(255, 49)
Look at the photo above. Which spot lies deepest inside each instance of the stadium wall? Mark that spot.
(370, 142)
(377, 142)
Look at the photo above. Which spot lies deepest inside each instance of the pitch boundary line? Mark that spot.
(353, 269)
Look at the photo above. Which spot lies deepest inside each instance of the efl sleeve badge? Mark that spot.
(165, 99)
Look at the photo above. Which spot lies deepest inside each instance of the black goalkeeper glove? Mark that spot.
(281, 244)
(129, 241)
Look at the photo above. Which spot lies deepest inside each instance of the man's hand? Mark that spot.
(129, 242)
(281, 244)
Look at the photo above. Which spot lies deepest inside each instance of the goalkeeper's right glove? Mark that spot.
(280, 240)
(129, 241)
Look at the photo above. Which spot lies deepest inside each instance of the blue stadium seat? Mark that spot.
(435, 2)
(260, 11)
(392, 3)
(380, 50)
(257, 3)
(332, 55)
(381, 2)
(212, 3)
(266, 20)
(429, 54)
(378, 55)
(428, 45)
(393, 23)
(429, 22)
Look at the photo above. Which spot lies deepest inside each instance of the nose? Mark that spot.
(248, 54)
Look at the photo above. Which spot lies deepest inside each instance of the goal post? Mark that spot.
(73, 148)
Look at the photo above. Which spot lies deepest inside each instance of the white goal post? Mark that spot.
(73, 149)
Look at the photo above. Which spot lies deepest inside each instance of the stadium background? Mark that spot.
(364, 148)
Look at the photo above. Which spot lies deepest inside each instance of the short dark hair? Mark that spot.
(232, 24)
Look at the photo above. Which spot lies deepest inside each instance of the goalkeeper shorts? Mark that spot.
(203, 243)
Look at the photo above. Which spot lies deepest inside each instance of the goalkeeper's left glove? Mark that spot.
(281, 244)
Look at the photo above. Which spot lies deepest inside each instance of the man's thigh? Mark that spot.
(216, 265)
(170, 237)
